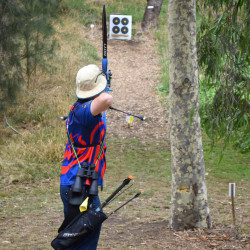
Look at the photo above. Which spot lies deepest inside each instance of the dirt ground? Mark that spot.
(135, 70)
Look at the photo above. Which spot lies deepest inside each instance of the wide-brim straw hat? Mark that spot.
(90, 81)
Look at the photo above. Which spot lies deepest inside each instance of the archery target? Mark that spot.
(120, 26)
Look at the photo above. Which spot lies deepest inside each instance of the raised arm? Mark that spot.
(100, 103)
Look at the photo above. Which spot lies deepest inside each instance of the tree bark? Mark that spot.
(189, 206)
(152, 11)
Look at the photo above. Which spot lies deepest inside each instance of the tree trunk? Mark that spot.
(152, 11)
(189, 206)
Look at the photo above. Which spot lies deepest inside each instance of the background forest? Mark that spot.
(42, 47)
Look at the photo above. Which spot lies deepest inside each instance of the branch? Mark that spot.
(6, 122)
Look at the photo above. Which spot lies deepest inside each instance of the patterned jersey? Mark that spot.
(86, 132)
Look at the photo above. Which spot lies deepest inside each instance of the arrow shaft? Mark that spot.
(124, 183)
(124, 204)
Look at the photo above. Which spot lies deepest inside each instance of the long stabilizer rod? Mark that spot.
(143, 118)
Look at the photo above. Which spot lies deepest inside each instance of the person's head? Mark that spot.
(90, 82)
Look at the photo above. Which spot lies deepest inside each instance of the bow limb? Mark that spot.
(105, 49)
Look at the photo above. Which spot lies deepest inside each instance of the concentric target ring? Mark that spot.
(116, 21)
(124, 30)
(125, 21)
(116, 29)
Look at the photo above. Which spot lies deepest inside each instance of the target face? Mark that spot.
(120, 27)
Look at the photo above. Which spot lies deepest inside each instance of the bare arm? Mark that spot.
(100, 103)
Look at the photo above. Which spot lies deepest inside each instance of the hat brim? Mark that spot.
(100, 87)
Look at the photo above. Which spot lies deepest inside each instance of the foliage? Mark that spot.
(35, 33)
(223, 57)
(10, 67)
(223, 54)
(25, 29)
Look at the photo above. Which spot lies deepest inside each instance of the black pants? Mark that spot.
(90, 241)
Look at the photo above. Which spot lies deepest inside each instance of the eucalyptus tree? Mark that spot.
(189, 205)
(223, 52)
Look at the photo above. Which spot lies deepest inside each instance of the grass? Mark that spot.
(30, 164)
(36, 204)
(144, 160)
(87, 12)
(234, 166)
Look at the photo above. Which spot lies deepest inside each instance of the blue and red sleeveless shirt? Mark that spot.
(86, 132)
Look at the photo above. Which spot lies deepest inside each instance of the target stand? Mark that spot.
(120, 27)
